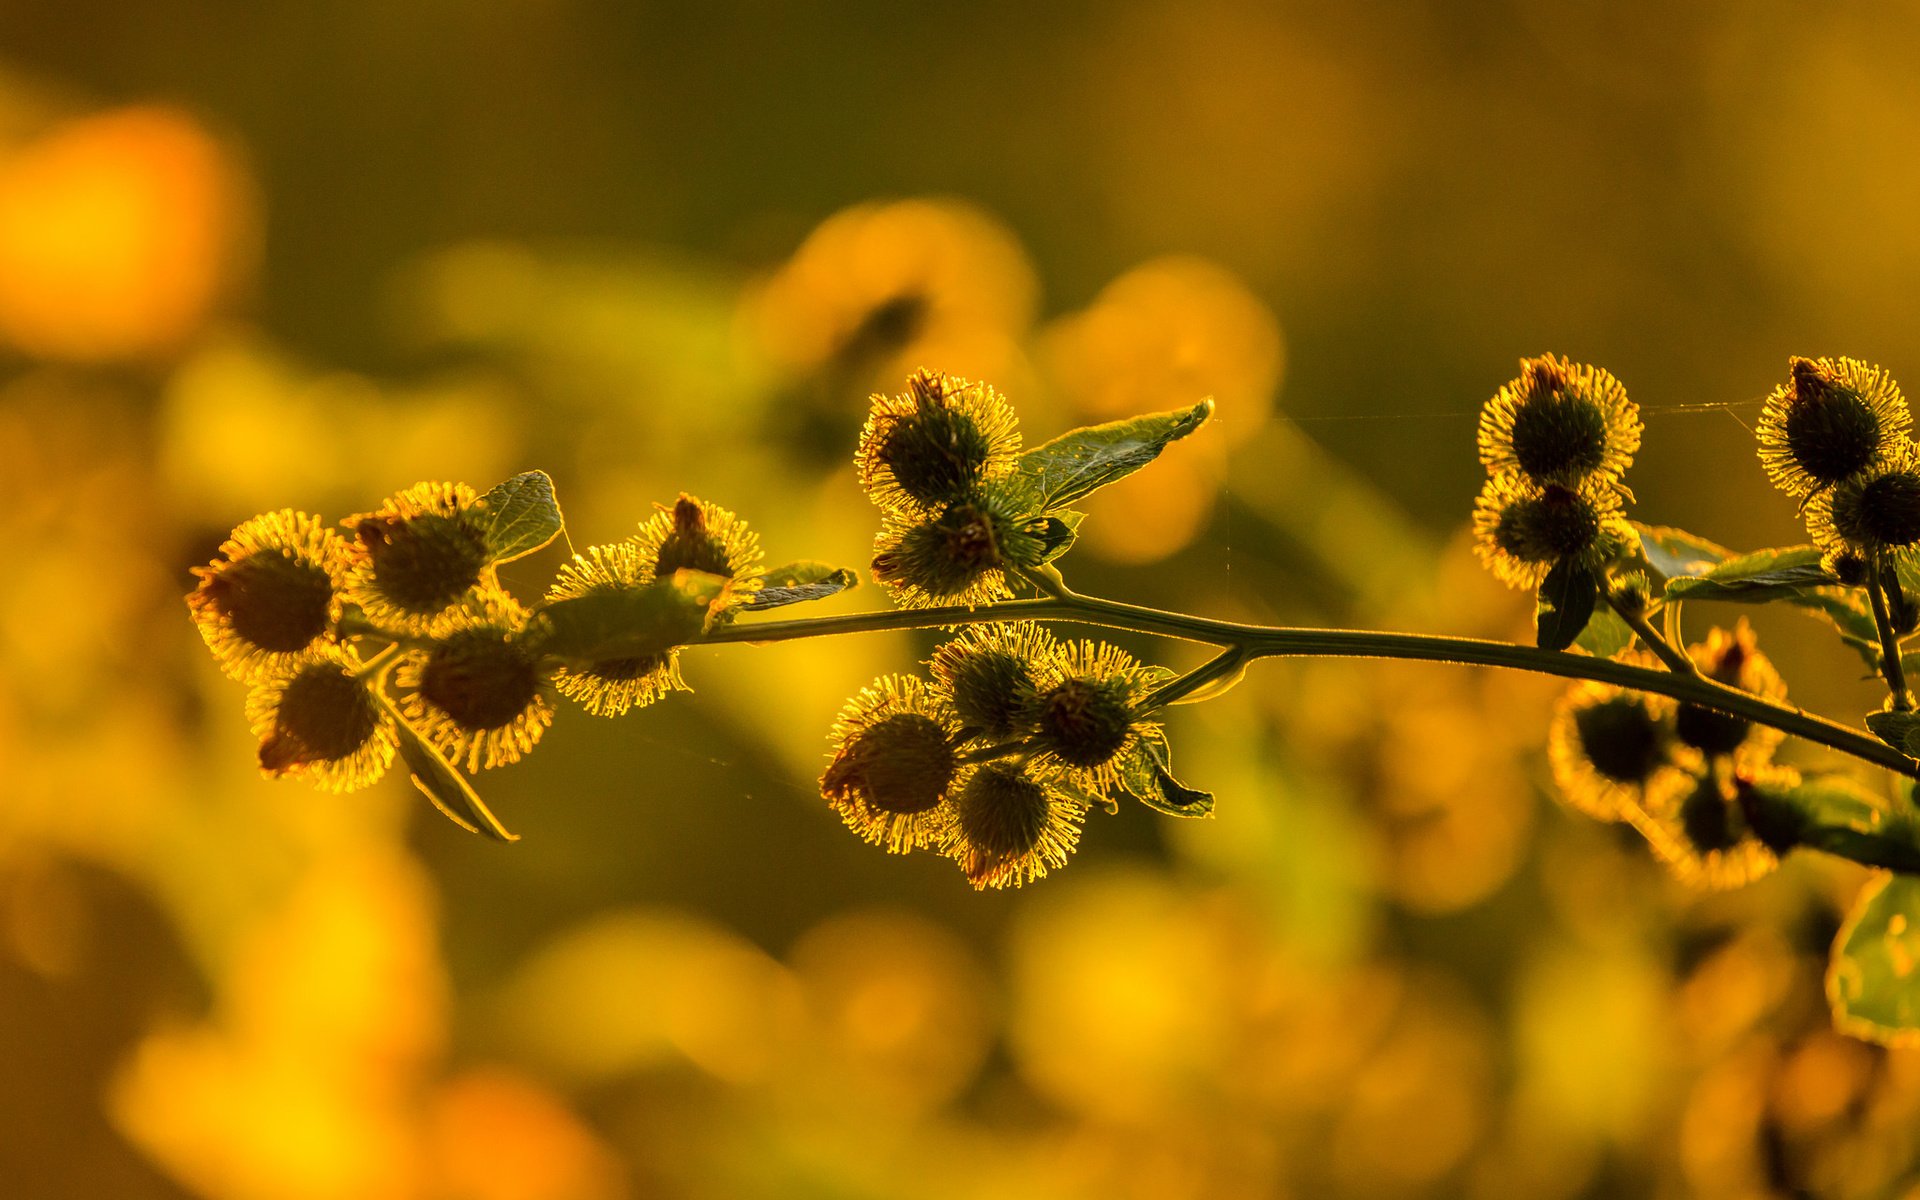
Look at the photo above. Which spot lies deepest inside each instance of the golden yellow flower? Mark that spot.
(694, 535)
(1012, 824)
(1872, 513)
(961, 556)
(894, 765)
(478, 694)
(1087, 717)
(1522, 529)
(320, 721)
(1560, 422)
(1831, 420)
(614, 686)
(1613, 752)
(272, 595)
(935, 444)
(1705, 839)
(420, 557)
(1733, 658)
(990, 674)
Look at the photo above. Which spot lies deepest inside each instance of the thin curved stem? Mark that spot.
(1636, 619)
(1265, 641)
(1890, 666)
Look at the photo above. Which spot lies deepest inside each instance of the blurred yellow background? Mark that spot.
(255, 256)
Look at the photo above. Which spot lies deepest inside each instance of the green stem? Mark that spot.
(1264, 641)
(1636, 620)
(1890, 666)
(1221, 666)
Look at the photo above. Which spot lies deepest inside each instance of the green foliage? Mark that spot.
(1697, 569)
(1565, 604)
(1150, 780)
(1077, 464)
(447, 788)
(1871, 980)
(1056, 533)
(520, 516)
(630, 622)
(1901, 730)
(1783, 573)
(798, 582)
(1675, 553)
(1605, 635)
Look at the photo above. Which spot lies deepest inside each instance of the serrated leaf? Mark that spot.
(1075, 465)
(1697, 569)
(1676, 553)
(1564, 605)
(1755, 578)
(447, 788)
(799, 582)
(1057, 533)
(627, 622)
(521, 516)
(1901, 730)
(1605, 635)
(1873, 978)
(1149, 778)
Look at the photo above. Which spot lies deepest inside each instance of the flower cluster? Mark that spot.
(938, 460)
(1837, 438)
(1555, 442)
(292, 608)
(995, 761)
(1688, 778)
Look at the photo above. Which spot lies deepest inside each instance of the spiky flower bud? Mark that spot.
(1011, 826)
(1521, 531)
(960, 556)
(479, 694)
(1706, 838)
(989, 672)
(936, 444)
(322, 722)
(419, 557)
(1831, 420)
(1874, 512)
(271, 595)
(1733, 658)
(694, 535)
(1613, 752)
(1560, 422)
(1088, 717)
(894, 765)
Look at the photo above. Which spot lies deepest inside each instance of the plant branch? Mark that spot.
(1265, 641)
(1636, 619)
(1890, 666)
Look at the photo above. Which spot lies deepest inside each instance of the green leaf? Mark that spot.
(1676, 553)
(1782, 572)
(1901, 730)
(446, 787)
(1077, 464)
(1606, 634)
(1148, 777)
(1836, 814)
(521, 516)
(627, 622)
(1057, 533)
(1565, 604)
(1873, 978)
(798, 582)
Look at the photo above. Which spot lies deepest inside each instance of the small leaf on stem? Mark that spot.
(521, 516)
